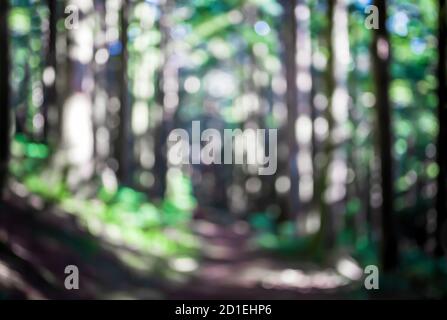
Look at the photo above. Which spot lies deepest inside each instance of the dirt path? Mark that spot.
(233, 268)
(35, 247)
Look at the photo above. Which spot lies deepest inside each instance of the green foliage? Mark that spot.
(201, 38)
(126, 216)
(262, 221)
(179, 201)
(20, 20)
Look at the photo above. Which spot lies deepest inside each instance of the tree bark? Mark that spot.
(441, 202)
(290, 37)
(325, 237)
(4, 94)
(381, 64)
(125, 149)
(50, 88)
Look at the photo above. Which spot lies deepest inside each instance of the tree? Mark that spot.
(304, 123)
(4, 94)
(162, 129)
(335, 193)
(381, 63)
(168, 95)
(77, 115)
(441, 203)
(290, 37)
(124, 151)
(50, 85)
(324, 237)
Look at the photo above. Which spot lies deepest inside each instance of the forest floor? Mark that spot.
(36, 246)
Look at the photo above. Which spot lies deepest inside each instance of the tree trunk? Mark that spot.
(303, 132)
(4, 94)
(441, 203)
(169, 95)
(324, 238)
(290, 36)
(125, 149)
(161, 131)
(77, 138)
(50, 87)
(381, 63)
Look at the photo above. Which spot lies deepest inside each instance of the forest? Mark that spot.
(215, 149)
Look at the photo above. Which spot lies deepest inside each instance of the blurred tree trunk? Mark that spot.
(100, 72)
(50, 87)
(64, 71)
(77, 138)
(4, 94)
(441, 201)
(303, 132)
(338, 165)
(124, 148)
(168, 95)
(322, 239)
(356, 224)
(290, 37)
(162, 130)
(381, 64)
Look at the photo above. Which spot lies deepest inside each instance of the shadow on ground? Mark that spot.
(36, 246)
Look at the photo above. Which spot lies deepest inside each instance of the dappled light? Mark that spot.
(232, 149)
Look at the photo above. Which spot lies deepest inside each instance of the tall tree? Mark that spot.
(160, 132)
(124, 145)
(338, 167)
(77, 120)
(290, 37)
(168, 94)
(441, 201)
(324, 237)
(304, 124)
(4, 94)
(50, 69)
(381, 64)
